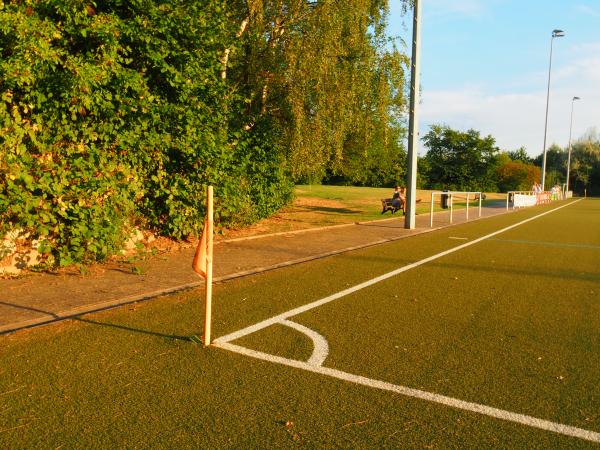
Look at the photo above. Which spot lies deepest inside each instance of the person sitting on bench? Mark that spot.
(398, 201)
(395, 203)
(398, 198)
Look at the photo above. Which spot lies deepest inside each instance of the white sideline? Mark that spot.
(320, 346)
(293, 312)
(523, 419)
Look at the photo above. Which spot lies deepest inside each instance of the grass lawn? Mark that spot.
(318, 205)
(511, 322)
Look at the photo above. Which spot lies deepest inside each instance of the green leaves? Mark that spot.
(117, 114)
(113, 115)
(516, 175)
(460, 160)
(326, 77)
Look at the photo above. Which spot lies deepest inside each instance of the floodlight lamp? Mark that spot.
(576, 98)
(558, 33)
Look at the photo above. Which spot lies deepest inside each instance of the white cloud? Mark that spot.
(517, 119)
(512, 119)
(584, 64)
(586, 48)
(588, 10)
(588, 69)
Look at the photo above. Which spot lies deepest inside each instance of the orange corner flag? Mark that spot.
(199, 263)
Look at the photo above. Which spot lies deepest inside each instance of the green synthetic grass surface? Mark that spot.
(512, 322)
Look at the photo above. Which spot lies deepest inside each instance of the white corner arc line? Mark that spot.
(293, 312)
(477, 408)
(320, 346)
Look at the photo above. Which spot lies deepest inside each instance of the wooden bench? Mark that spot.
(388, 205)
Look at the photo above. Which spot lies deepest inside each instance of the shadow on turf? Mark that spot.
(29, 308)
(135, 330)
(92, 322)
(544, 273)
(328, 210)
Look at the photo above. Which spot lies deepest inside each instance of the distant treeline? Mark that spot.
(458, 160)
(466, 161)
(117, 114)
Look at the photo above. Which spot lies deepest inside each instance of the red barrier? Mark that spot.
(543, 198)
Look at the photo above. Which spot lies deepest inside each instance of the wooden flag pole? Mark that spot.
(209, 264)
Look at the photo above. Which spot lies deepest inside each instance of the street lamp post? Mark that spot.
(413, 121)
(555, 34)
(570, 131)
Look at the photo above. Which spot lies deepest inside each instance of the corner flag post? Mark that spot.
(209, 264)
(203, 261)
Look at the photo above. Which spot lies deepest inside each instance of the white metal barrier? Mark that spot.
(511, 195)
(451, 195)
(521, 199)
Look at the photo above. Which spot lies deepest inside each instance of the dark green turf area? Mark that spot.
(511, 322)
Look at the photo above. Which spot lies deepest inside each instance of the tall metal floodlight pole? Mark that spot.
(555, 34)
(570, 130)
(413, 121)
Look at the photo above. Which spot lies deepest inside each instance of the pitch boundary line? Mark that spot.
(497, 413)
(301, 309)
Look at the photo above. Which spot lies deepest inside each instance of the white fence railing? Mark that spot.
(510, 197)
(451, 195)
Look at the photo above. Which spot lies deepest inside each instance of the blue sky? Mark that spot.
(484, 65)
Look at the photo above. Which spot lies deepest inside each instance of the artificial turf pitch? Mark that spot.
(511, 322)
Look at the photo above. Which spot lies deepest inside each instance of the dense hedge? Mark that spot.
(113, 114)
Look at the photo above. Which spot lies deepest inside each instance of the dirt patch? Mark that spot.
(305, 212)
(318, 202)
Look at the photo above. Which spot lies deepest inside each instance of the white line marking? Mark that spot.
(293, 312)
(320, 346)
(523, 419)
(458, 238)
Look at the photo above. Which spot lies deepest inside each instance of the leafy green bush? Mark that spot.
(114, 115)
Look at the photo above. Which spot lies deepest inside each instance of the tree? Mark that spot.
(520, 155)
(585, 164)
(556, 165)
(585, 167)
(117, 114)
(460, 160)
(517, 176)
(323, 74)
(112, 116)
